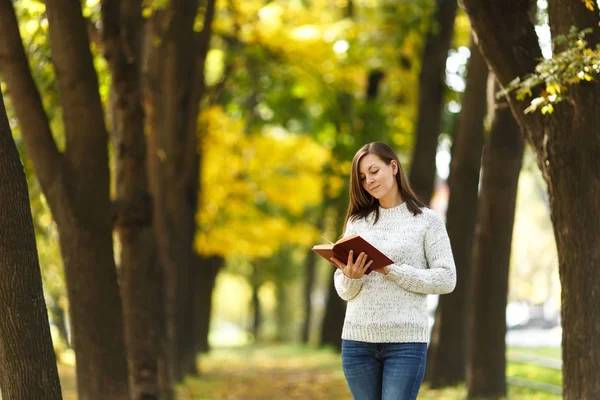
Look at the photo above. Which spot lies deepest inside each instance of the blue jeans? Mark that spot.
(384, 371)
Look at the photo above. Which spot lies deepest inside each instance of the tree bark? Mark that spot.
(447, 351)
(333, 320)
(486, 376)
(256, 311)
(27, 359)
(205, 273)
(310, 266)
(335, 307)
(173, 86)
(283, 316)
(431, 98)
(567, 146)
(140, 274)
(76, 185)
(309, 282)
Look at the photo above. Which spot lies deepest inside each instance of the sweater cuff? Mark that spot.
(396, 273)
(349, 282)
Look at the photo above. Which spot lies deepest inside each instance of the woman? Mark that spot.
(385, 334)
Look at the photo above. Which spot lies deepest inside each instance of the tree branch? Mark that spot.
(83, 114)
(27, 101)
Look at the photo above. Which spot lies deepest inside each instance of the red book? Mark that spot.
(342, 247)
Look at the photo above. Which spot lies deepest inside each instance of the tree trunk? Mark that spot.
(447, 352)
(311, 269)
(282, 314)
(567, 145)
(335, 307)
(140, 274)
(333, 321)
(431, 98)
(205, 274)
(573, 176)
(486, 365)
(256, 312)
(27, 359)
(173, 85)
(309, 283)
(76, 185)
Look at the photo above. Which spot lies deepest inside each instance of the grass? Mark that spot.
(532, 372)
(297, 372)
(550, 352)
(290, 372)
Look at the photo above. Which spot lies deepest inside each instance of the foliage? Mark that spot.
(297, 60)
(288, 72)
(255, 187)
(589, 4)
(577, 63)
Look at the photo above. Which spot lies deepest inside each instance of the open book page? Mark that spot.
(357, 244)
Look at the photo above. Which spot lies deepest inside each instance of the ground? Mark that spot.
(290, 372)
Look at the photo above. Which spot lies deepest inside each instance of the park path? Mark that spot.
(258, 375)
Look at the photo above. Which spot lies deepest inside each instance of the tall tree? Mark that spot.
(205, 273)
(431, 98)
(173, 86)
(447, 351)
(140, 274)
(486, 364)
(335, 307)
(567, 145)
(27, 358)
(310, 271)
(76, 184)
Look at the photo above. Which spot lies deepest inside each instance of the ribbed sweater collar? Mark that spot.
(399, 210)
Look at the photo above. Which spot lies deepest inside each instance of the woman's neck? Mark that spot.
(391, 201)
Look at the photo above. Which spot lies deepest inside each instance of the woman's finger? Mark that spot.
(367, 265)
(338, 263)
(350, 258)
(361, 260)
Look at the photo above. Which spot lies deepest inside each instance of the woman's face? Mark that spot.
(377, 177)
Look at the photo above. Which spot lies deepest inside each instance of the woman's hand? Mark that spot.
(352, 269)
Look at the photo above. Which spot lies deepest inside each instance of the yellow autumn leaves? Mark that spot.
(256, 188)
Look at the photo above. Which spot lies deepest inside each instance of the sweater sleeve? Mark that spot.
(347, 288)
(440, 276)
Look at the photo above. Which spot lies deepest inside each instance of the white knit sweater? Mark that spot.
(393, 308)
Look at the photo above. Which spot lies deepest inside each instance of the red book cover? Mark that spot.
(342, 247)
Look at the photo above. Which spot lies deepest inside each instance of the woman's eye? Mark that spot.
(374, 172)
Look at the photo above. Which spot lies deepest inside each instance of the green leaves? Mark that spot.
(553, 77)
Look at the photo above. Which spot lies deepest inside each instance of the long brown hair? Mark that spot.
(361, 202)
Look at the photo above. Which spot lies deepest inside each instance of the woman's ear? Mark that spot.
(394, 166)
